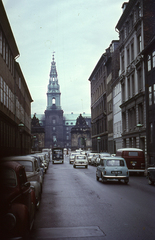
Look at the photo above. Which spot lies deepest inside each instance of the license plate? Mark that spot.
(116, 172)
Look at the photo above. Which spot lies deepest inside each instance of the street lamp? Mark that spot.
(98, 144)
(139, 125)
(21, 129)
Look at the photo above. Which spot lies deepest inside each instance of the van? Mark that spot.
(134, 157)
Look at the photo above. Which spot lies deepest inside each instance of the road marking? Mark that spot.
(67, 232)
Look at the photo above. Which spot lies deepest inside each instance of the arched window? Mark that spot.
(53, 101)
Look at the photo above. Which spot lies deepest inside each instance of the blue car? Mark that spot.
(112, 168)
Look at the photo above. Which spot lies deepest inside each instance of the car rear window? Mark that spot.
(8, 177)
(27, 164)
(115, 163)
(81, 157)
(133, 154)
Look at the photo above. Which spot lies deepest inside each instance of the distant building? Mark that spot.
(101, 80)
(37, 135)
(57, 125)
(81, 135)
(15, 98)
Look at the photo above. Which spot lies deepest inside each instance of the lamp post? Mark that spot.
(21, 129)
(139, 125)
(98, 144)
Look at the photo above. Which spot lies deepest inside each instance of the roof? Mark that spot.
(20, 158)
(130, 149)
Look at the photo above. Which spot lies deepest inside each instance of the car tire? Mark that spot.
(86, 166)
(104, 180)
(150, 182)
(97, 178)
(38, 202)
(126, 181)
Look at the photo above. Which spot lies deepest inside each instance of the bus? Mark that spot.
(134, 157)
(57, 155)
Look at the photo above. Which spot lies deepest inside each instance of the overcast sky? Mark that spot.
(77, 31)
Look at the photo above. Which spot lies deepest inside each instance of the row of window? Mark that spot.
(131, 85)
(10, 101)
(129, 119)
(131, 52)
(6, 52)
(6, 95)
(98, 92)
(128, 26)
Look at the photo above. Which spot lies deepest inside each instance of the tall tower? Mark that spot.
(53, 93)
(53, 112)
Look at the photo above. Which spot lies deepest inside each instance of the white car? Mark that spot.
(80, 160)
(72, 157)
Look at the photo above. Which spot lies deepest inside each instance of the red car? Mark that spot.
(17, 201)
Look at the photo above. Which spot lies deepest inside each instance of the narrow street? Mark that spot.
(75, 206)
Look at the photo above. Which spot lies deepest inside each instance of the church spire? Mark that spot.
(53, 93)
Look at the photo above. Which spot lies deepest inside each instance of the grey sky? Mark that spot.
(77, 31)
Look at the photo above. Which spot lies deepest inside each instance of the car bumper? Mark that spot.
(115, 177)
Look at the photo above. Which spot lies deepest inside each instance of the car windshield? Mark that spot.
(81, 157)
(8, 177)
(115, 162)
(27, 164)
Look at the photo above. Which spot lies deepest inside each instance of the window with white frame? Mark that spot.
(153, 59)
(149, 63)
(154, 93)
(139, 44)
(1, 42)
(150, 95)
(132, 51)
(1, 90)
(133, 85)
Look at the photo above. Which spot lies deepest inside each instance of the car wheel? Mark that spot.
(86, 166)
(126, 181)
(74, 166)
(38, 202)
(104, 180)
(97, 178)
(150, 182)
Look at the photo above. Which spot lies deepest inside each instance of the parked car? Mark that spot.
(93, 159)
(151, 175)
(112, 168)
(17, 201)
(80, 160)
(89, 157)
(32, 172)
(72, 157)
(41, 166)
(99, 157)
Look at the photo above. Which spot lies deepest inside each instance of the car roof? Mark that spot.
(19, 158)
(113, 158)
(129, 149)
(11, 164)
